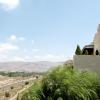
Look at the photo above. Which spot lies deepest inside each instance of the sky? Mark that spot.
(46, 30)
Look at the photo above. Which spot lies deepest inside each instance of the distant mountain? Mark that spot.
(41, 66)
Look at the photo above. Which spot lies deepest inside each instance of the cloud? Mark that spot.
(5, 47)
(21, 38)
(35, 58)
(15, 38)
(32, 41)
(17, 58)
(8, 51)
(50, 57)
(9, 4)
(35, 50)
(4, 58)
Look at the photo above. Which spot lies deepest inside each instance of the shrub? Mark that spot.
(36, 77)
(65, 83)
(26, 83)
(97, 52)
(12, 87)
(7, 94)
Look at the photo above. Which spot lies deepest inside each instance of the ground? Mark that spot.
(12, 85)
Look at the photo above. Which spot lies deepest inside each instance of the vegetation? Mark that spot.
(97, 52)
(22, 74)
(78, 50)
(65, 83)
(7, 94)
(26, 83)
(12, 87)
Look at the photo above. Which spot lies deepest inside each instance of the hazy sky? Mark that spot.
(35, 30)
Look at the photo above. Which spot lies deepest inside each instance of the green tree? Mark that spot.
(78, 50)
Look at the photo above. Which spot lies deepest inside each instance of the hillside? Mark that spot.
(41, 66)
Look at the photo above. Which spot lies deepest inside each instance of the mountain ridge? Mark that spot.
(40, 66)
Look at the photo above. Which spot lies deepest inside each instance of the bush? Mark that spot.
(65, 83)
(97, 52)
(7, 94)
(37, 77)
(26, 83)
(12, 87)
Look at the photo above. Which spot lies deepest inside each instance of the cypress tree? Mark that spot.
(78, 50)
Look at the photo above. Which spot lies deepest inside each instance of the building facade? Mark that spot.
(94, 47)
(96, 41)
(91, 60)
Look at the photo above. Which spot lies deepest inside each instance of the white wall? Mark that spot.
(97, 42)
(87, 62)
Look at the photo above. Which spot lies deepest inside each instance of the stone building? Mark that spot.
(90, 61)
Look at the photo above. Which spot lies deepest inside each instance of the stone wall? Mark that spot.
(87, 62)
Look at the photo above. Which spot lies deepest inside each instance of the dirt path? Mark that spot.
(19, 92)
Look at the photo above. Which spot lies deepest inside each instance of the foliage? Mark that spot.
(22, 74)
(7, 94)
(26, 83)
(32, 93)
(78, 50)
(97, 52)
(12, 87)
(65, 83)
